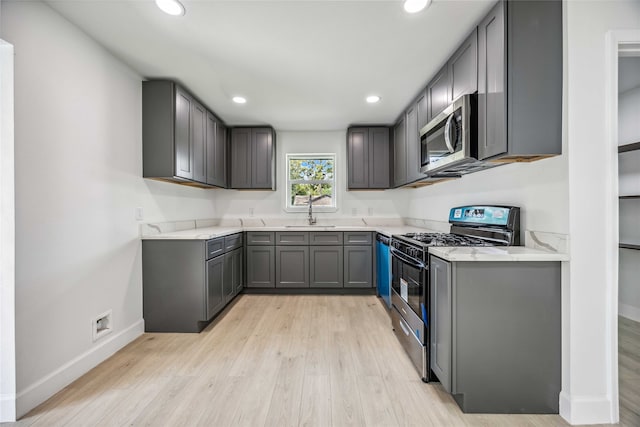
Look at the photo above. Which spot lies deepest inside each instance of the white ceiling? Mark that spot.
(302, 65)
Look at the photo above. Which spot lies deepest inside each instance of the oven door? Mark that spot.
(409, 280)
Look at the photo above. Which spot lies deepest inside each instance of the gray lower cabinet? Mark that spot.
(185, 283)
(316, 259)
(440, 331)
(326, 266)
(216, 297)
(292, 266)
(358, 267)
(233, 273)
(497, 323)
(261, 267)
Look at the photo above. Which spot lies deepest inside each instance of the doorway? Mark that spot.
(628, 130)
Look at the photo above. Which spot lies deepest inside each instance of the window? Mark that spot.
(311, 175)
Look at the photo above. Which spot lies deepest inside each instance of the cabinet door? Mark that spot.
(422, 104)
(238, 270)
(463, 67)
(440, 320)
(438, 93)
(216, 152)
(400, 153)
(358, 158)
(292, 266)
(261, 267)
(492, 125)
(379, 161)
(183, 147)
(413, 145)
(358, 266)
(326, 266)
(198, 136)
(215, 280)
(228, 289)
(240, 158)
(261, 158)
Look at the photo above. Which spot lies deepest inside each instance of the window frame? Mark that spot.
(310, 156)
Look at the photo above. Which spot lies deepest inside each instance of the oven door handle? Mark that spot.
(407, 260)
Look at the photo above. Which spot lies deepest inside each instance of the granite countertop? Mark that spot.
(496, 253)
(207, 233)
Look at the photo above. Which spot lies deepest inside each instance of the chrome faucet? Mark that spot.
(310, 218)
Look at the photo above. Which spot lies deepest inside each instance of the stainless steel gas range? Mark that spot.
(478, 225)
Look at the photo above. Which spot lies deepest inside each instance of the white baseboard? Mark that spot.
(7, 408)
(629, 311)
(49, 385)
(586, 409)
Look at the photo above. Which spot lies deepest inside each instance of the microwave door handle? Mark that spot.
(447, 134)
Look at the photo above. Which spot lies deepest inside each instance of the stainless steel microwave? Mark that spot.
(447, 141)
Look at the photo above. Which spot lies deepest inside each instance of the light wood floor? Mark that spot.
(629, 371)
(272, 361)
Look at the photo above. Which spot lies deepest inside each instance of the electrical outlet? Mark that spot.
(250, 211)
(354, 211)
(101, 325)
(370, 211)
(139, 214)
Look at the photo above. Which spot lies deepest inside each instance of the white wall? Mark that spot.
(589, 365)
(629, 174)
(539, 188)
(7, 239)
(78, 180)
(234, 203)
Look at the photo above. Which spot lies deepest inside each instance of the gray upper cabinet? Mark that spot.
(413, 144)
(400, 153)
(252, 158)
(240, 166)
(463, 68)
(520, 81)
(369, 158)
(422, 105)
(178, 137)
(198, 138)
(183, 142)
(216, 142)
(438, 93)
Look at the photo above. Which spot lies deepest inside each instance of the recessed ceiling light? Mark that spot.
(372, 99)
(172, 7)
(239, 99)
(414, 6)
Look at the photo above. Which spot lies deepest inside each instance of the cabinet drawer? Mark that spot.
(232, 242)
(358, 238)
(292, 238)
(325, 238)
(255, 238)
(215, 247)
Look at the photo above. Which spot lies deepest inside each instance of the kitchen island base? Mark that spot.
(504, 338)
